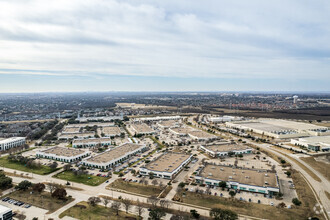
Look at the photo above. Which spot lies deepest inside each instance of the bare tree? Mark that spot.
(154, 182)
(127, 204)
(153, 200)
(165, 203)
(94, 200)
(116, 206)
(51, 187)
(105, 202)
(139, 208)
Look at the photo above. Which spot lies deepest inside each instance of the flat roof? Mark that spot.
(201, 134)
(111, 130)
(117, 152)
(64, 151)
(169, 123)
(167, 162)
(91, 140)
(240, 175)
(225, 147)
(6, 140)
(142, 128)
(184, 130)
(316, 139)
(91, 124)
(71, 129)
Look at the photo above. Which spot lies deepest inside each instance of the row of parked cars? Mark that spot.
(16, 202)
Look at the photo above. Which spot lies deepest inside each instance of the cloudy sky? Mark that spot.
(185, 45)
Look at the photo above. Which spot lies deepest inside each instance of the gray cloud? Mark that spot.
(225, 39)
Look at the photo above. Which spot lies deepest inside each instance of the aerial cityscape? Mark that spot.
(164, 110)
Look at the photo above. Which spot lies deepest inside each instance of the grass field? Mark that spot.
(84, 179)
(138, 188)
(244, 208)
(84, 211)
(43, 170)
(41, 200)
(321, 167)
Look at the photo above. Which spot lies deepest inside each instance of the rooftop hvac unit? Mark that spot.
(266, 183)
(266, 174)
(210, 174)
(230, 177)
(247, 177)
(221, 169)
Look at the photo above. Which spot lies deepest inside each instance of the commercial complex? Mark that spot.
(159, 118)
(12, 142)
(71, 130)
(318, 143)
(114, 156)
(278, 128)
(225, 149)
(167, 165)
(251, 180)
(142, 128)
(91, 142)
(63, 154)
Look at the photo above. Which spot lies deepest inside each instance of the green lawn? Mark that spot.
(84, 179)
(42, 200)
(42, 170)
(84, 211)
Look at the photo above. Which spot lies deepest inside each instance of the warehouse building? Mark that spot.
(12, 142)
(225, 149)
(201, 135)
(251, 180)
(181, 131)
(5, 213)
(167, 165)
(142, 128)
(114, 156)
(168, 124)
(318, 143)
(113, 131)
(63, 154)
(91, 142)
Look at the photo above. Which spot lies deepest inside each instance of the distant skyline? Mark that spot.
(188, 45)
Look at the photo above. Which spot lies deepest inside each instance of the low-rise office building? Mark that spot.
(181, 131)
(167, 165)
(168, 124)
(63, 154)
(7, 143)
(225, 149)
(112, 131)
(251, 180)
(114, 156)
(84, 135)
(5, 213)
(91, 142)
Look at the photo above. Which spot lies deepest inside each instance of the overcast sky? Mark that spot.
(171, 45)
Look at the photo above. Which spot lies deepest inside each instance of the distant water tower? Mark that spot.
(295, 97)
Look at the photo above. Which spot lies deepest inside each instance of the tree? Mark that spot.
(296, 201)
(151, 175)
(94, 200)
(139, 208)
(105, 202)
(156, 214)
(59, 193)
(53, 166)
(153, 200)
(240, 155)
(283, 161)
(220, 214)
(51, 187)
(24, 185)
(154, 182)
(288, 173)
(127, 204)
(181, 185)
(39, 187)
(116, 206)
(223, 185)
(164, 203)
(194, 214)
(5, 181)
(232, 193)
(67, 167)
